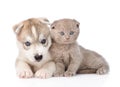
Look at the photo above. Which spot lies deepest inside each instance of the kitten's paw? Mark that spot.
(43, 74)
(58, 74)
(25, 73)
(102, 70)
(69, 74)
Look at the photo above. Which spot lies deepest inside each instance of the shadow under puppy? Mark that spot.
(71, 58)
(33, 40)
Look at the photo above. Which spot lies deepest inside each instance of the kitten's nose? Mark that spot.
(67, 38)
(38, 57)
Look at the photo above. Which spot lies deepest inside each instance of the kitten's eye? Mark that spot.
(43, 41)
(27, 43)
(71, 32)
(62, 33)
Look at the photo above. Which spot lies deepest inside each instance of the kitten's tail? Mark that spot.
(86, 71)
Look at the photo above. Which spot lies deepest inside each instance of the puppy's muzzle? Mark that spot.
(38, 57)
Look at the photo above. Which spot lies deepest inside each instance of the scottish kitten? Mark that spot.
(71, 58)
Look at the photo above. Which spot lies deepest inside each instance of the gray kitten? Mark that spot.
(71, 58)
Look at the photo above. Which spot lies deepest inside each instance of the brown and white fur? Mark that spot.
(71, 58)
(33, 40)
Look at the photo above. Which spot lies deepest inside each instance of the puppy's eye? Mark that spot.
(71, 32)
(27, 43)
(43, 41)
(62, 33)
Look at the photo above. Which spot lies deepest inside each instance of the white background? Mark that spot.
(99, 25)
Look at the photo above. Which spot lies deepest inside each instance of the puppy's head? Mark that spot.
(33, 38)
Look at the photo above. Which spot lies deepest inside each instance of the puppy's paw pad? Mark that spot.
(58, 74)
(43, 74)
(25, 73)
(69, 74)
(102, 71)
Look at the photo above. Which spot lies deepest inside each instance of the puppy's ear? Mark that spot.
(77, 23)
(44, 20)
(17, 28)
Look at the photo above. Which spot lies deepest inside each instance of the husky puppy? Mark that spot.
(33, 40)
(71, 58)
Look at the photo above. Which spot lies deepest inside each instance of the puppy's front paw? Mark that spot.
(43, 74)
(58, 74)
(102, 70)
(25, 73)
(69, 74)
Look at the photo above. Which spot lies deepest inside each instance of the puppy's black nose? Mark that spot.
(38, 57)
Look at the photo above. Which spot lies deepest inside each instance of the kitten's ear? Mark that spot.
(53, 25)
(17, 28)
(44, 20)
(77, 23)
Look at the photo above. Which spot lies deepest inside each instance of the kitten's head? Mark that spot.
(65, 31)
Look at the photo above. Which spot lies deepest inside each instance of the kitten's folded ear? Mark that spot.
(44, 20)
(53, 25)
(17, 28)
(77, 23)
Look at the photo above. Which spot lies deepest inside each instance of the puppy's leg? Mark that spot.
(46, 71)
(23, 69)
